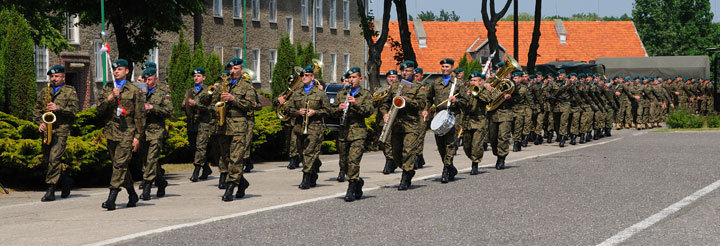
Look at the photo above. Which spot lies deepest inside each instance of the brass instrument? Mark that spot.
(221, 107)
(398, 103)
(48, 118)
(380, 94)
(501, 85)
(248, 75)
(475, 90)
(296, 82)
(317, 65)
(307, 114)
(211, 90)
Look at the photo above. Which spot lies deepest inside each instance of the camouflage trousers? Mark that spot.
(385, 147)
(561, 119)
(655, 112)
(421, 135)
(586, 118)
(150, 157)
(232, 149)
(599, 119)
(473, 140)
(248, 139)
(539, 123)
(499, 137)
(291, 138)
(310, 144)
(52, 156)
(198, 141)
(609, 117)
(641, 114)
(351, 153)
(574, 125)
(521, 122)
(214, 155)
(446, 145)
(120, 153)
(405, 148)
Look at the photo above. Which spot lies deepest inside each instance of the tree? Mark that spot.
(535, 42)
(490, 21)
(284, 67)
(674, 27)
(213, 68)
(45, 22)
(522, 16)
(198, 59)
(430, 16)
(17, 69)
(427, 16)
(448, 16)
(401, 9)
(375, 47)
(179, 72)
(469, 66)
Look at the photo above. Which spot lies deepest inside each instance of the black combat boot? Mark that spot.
(206, 171)
(402, 185)
(341, 176)
(589, 137)
(50, 194)
(597, 134)
(445, 177)
(349, 194)
(422, 161)
(109, 204)
(305, 184)
(416, 162)
(607, 132)
(145, 196)
(358, 189)
(557, 139)
(67, 184)
(500, 163)
(132, 196)
(538, 140)
(572, 139)
(389, 166)
(525, 140)
(293, 163)
(516, 146)
(485, 146)
(550, 137)
(228, 196)
(453, 172)
(582, 138)
(221, 183)
(161, 185)
(142, 185)
(562, 140)
(196, 172)
(475, 170)
(249, 165)
(532, 137)
(244, 184)
(406, 180)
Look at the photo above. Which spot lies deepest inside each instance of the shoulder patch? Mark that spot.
(167, 95)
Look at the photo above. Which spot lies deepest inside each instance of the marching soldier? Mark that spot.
(197, 105)
(537, 89)
(294, 158)
(548, 90)
(308, 106)
(62, 101)
(561, 93)
(444, 89)
(216, 134)
(520, 109)
(351, 138)
(500, 126)
(609, 96)
(391, 77)
(240, 103)
(417, 79)
(474, 122)
(122, 104)
(157, 108)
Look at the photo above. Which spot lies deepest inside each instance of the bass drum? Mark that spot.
(442, 123)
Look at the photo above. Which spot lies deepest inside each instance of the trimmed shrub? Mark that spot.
(713, 121)
(17, 68)
(328, 147)
(677, 118)
(694, 121)
(268, 138)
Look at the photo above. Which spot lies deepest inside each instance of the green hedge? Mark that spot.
(684, 119)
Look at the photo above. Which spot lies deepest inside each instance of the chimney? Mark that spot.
(420, 33)
(560, 30)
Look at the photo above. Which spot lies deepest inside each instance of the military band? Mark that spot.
(158, 107)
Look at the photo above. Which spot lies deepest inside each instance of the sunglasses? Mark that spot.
(307, 75)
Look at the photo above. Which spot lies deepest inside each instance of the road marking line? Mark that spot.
(649, 221)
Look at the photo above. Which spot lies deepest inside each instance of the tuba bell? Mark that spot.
(501, 85)
(248, 75)
(475, 90)
(293, 85)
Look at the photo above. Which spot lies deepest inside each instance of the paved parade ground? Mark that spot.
(638, 188)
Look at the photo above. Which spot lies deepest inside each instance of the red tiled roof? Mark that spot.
(586, 40)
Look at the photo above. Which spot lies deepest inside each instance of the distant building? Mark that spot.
(337, 34)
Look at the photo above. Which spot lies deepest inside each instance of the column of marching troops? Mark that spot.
(543, 107)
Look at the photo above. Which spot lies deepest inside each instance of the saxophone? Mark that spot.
(48, 118)
(398, 103)
(221, 107)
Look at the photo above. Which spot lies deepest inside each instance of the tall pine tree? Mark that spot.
(284, 67)
(17, 69)
(179, 72)
(213, 68)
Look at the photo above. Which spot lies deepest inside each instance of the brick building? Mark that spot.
(332, 24)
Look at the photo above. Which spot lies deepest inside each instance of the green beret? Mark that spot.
(636, 77)
(225, 72)
(500, 64)
(596, 75)
(392, 72)
(532, 76)
(234, 62)
(516, 74)
(447, 61)
(627, 78)
(149, 72)
(120, 63)
(408, 64)
(149, 65)
(291, 78)
(524, 72)
(346, 75)
(550, 75)
(581, 75)
(538, 74)
(573, 74)
(459, 70)
(308, 69)
(354, 70)
(56, 69)
(418, 70)
(476, 74)
(615, 77)
(198, 71)
(561, 71)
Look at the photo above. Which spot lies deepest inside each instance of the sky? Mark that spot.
(469, 10)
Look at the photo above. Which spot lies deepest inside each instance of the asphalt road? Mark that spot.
(579, 197)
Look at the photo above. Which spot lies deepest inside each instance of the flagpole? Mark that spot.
(103, 36)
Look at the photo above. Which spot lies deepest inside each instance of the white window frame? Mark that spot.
(290, 27)
(304, 12)
(256, 65)
(318, 6)
(272, 9)
(333, 67)
(333, 14)
(255, 10)
(72, 29)
(272, 58)
(97, 46)
(42, 66)
(152, 55)
(237, 52)
(217, 8)
(346, 59)
(237, 9)
(346, 14)
(219, 50)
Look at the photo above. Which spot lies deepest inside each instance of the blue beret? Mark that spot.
(149, 72)
(459, 70)
(56, 69)
(561, 71)
(392, 72)
(234, 62)
(418, 70)
(408, 64)
(149, 65)
(476, 74)
(447, 61)
(198, 71)
(120, 63)
(353, 70)
(627, 78)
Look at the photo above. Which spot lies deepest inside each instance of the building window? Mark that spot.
(219, 50)
(318, 13)
(255, 10)
(237, 9)
(237, 52)
(289, 27)
(41, 64)
(98, 59)
(333, 14)
(217, 8)
(273, 61)
(256, 64)
(333, 67)
(152, 55)
(321, 57)
(304, 12)
(72, 29)
(346, 60)
(346, 14)
(272, 7)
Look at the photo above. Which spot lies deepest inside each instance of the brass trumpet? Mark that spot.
(211, 90)
(475, 90)
(48, 118)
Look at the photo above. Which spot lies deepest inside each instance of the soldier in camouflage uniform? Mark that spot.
(290, 137)
(548, 90)
(158, 107)
(122, 105)
(247, 160)
(561, 93)
(240, 103)
(529, 112)
(538, 107)
(63, 102)
(588, 109)
(308, 106)
(352, 134)
(391, 77)
(197, 105)
(500, 126)
(216, 133)
(424, 124)
(520, 117)
(576, 108)
(474, 121)
(404, 137)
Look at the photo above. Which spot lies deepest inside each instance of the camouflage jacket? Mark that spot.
(67, 102)
(155, 117)
(203, 109)
(408, 119)
(475, 115)
(438, 91)
(131, 124)
(315, 99)
(354, 127)
(239, 113)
